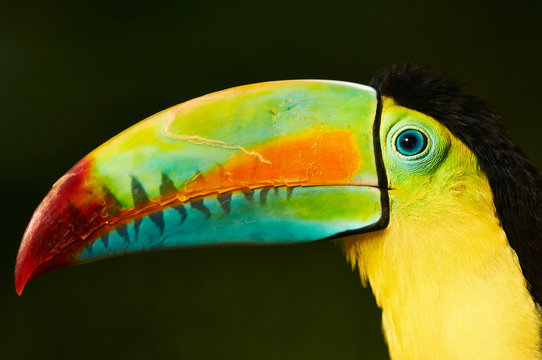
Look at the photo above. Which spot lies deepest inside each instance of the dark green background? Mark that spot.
(73, 74)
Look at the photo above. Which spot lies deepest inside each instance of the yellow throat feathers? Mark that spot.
(449, 284)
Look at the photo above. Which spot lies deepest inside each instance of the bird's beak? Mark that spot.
(278, 162)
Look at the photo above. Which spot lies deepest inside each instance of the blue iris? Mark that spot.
(411, 142)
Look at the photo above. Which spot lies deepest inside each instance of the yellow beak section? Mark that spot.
(277, 162)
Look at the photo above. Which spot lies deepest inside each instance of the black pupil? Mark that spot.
(409, 142)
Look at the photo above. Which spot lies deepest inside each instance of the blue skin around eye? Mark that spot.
(411, 142)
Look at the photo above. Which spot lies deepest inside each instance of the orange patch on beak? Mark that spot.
(315, 158)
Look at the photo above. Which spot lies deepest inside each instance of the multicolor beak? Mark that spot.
(277, 162)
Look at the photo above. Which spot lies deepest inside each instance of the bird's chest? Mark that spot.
(477, 314)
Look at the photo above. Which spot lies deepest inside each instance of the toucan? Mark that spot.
(416, 179)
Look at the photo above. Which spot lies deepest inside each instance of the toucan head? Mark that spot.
(279, 163)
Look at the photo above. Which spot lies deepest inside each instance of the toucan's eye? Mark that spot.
(411, 142)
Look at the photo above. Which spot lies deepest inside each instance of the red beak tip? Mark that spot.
(19, 289)
(20, 283)
(22, 275)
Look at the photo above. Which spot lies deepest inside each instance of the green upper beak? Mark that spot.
(277, 162)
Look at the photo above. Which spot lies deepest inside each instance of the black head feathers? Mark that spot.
(515, 182)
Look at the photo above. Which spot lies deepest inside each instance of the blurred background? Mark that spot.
(74, 73)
